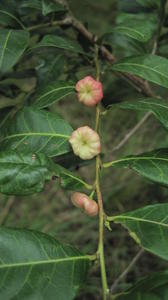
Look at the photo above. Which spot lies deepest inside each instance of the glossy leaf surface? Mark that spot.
(69, 180)
(148, 226)
(49, 7)
(36, 266)
(61, 43)
(23, 173)
(37, 131)
(150, 67)
(141, 30)
(151, 165)
(52, 93)
(13, 44)
(158, 107)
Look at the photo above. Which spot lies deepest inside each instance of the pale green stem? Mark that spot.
(100, 251)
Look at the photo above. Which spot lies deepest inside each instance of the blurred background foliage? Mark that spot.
(52, 211)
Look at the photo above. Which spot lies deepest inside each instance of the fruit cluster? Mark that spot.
(85, 141)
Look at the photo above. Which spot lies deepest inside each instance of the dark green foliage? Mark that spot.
(44, 51)
(31, 264)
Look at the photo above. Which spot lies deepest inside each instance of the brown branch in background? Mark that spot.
(126, 271)
(77, 25)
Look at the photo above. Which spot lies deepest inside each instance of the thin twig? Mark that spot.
(65, 21)
(126, 271)
(131, 132)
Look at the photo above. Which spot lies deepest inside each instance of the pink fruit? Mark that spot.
(78, 199)
(91, 208)
(89, 91)
(82, 201)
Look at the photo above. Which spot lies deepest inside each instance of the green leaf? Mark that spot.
(150, 67)
(6, 18)
(158, 107)
(23, 173)
(125, 46)
(148, 226)
(124, 16)
(36, 266)
(153, 287)
(13, 44)
(70, 180)
(52, 93)
(151, 165)
(135, 29)
(37, 131)
(35, 4)
(48, 7)
(61, 43)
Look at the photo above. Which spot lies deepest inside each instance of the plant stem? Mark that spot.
(65, 21)
(100, 250)
(101, 231)
(97, 118)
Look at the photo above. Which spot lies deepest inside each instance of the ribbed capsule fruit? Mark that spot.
(85, 142)
(89, 91)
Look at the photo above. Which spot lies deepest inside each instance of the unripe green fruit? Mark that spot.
(85, 142)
